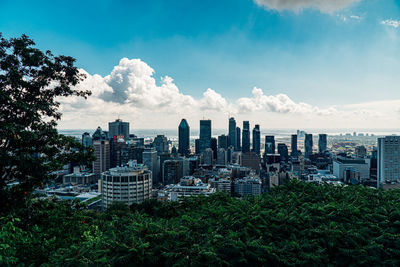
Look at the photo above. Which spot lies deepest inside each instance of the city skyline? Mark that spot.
(291, 64)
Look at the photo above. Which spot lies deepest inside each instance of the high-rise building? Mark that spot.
(150, 159)
(208, 156)
(251, 160)
(294, 146)
(99, 134)
(117, 128)
(308, 145)
(388, 159)
(214, 146)
(238, 143)
(256, 139)
(184, 138)
(129, 184)
(269, 144)
(197, 146)
(102, 154)
(223, 141)
(246, 137)
(283, 152)
(232, 133)
(87, 140)
(116, 146)
(161, 145)
(221, 157)
(322, 143)
(205, 134)
(360, 151)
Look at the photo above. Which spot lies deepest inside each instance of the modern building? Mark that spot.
(208, 156)
(160, 143)
(388, 159)
(184, 138)
(269, 144)
(116, 145)
(214, 146)
(283, 152)
(232, 133)
(175, 169)
(205, 134)
(223, 141)
(222, 157)
(294, 152)
(87, 140)
(360, 151)
(188, 186)
(118, 128)
(82, 178)
(257, 140)
(220, 184)
(99, 134)
(247, 186)
(102, 154)
(251, 160)
(129, 184)
(308, 145)
(342, 166)
(322, 143)
(246, 137)
(150, 160)
(238, 140)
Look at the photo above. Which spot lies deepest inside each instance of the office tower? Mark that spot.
(87, 140)
(388, 159)
(208, 156)
(184, 138)
(322, 143)
(238, 146)
(361, 151)
(294, 146)
(308, 145)
(246, 137)
(344, 167)
(247, 186)
(232, 133)
(129, 184)
(161, 145)
(118, 128)
(102, 154)
(214, 146)
(251, 160)
(99, 134)
(229, 153)
(131, 152)
(222, 157)
(269, 144)
(283, 152)
(116, 146)
(174, 170)
(205, 134)
(223, 141)
(197, 147)
(150, 159)
(256, 139)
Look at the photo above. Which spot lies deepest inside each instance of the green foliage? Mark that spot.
(295, 224)
(31, 83)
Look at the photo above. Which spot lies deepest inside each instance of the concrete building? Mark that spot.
(129, 184)
(160, 144)
(188, 186)
(342, 166)
(247, 186)
(87, 140)
(251, 160)
(208, 156)
(283, 152)
(102, 154)
(150, 159)
(205, 134)
(388, 160)
(222, 157)
(82, 178)
(294, 150)
(238, 140)
(360, 151)
(269, 144)
(223, 141)
(118, 128)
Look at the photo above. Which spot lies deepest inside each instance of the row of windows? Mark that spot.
(125, 179)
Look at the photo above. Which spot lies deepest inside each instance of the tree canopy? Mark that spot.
(295, 224)
(31, 81)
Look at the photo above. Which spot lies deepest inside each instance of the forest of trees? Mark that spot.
(295, 224)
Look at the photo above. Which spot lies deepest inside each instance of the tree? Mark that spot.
(31, 82)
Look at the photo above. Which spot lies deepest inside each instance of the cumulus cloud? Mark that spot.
(279, 103)
(391, 23)
(326, 6)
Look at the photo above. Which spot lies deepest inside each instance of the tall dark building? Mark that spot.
(232, 133)
(197, 147)
(184, 138)
(214, 146)
(269, 144)
(118, 127)
(205, 134)
(161, 145)
(294, 146)
(246, 137)
(238, 146)
(322, 143)
(283, 151)
(223, 141)
(256, 139)
(87, 140)
(308, 145)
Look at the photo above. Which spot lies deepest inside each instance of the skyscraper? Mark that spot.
(223, 141)
(283, 152)
(322, 143)
(238, 143)
(160, 143)
(294, 146)
(87, 140)
(308, 145)
(246, 137)
(150, 159)
(184, 138)
(232, 133)
(388, 159)
(205, 134)
(102, 154)
(118, 127)
(256, 139)
(269, 144)
(214, 146)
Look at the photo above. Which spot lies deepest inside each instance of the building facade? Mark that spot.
(388, 159)
(118, 128)
(184, 138)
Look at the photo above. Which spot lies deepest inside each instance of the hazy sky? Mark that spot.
(279, 63)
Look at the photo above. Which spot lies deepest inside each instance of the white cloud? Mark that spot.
(391, 23)
(355, 17)
(326, 6)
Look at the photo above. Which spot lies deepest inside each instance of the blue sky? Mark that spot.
(336, 57)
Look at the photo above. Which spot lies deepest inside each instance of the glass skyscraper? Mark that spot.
(322, 143)
(256, 139)
(205, 134)
(308, 145)
(118, 127)
(269, 144)
(246, 137)
(232, 133)
(184, 138)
